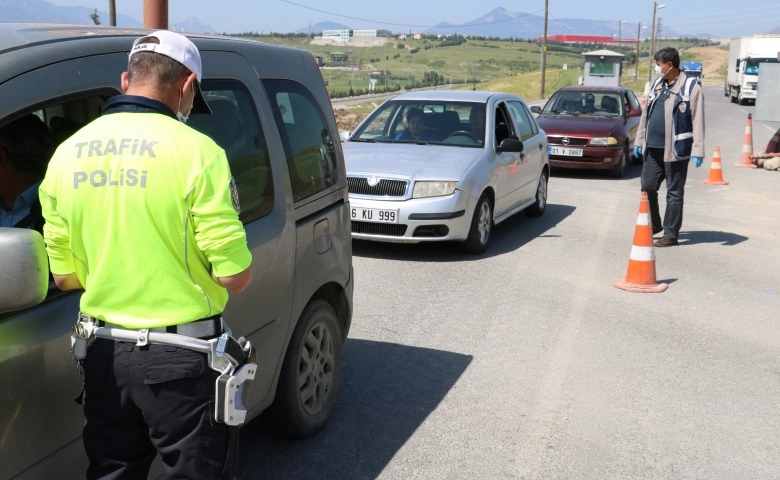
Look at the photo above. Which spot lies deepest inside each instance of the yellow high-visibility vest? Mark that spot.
(142, 207)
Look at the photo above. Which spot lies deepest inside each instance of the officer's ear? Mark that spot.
(125, 81)
(190, 82)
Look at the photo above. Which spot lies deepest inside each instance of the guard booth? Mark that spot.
(603, 68)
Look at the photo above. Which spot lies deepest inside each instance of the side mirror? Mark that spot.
(536, 109)
(344, 135)
(24, 269)
(635, 112)
(510, 145)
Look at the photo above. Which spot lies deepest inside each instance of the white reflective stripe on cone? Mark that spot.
(716, 166)
(747, 148)
(748, 129)
(642, 254)
(643, 219)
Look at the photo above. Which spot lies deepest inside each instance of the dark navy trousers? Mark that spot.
(141, 401)
(654, 172)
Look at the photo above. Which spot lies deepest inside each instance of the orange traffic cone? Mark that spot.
(716, 172)
(747, 145)
(640, 277)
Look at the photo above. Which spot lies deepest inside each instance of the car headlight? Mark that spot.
(433, 189)
(603, 141)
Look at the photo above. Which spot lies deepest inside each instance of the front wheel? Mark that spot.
(537, 209)
(481, 227)
(310, 376)
(619, 170)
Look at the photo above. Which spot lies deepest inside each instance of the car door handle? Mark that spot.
(540, 146)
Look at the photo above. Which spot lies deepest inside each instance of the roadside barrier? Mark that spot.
(640, 277)
(747, 145)
(716, 172)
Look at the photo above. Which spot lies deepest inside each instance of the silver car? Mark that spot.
(445, 165)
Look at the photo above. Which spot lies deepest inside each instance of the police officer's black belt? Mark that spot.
(207, 328)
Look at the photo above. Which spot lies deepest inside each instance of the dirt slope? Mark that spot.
(714, 60)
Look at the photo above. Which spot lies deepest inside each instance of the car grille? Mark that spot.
(385, 188)
(390, 230)
(572, 141)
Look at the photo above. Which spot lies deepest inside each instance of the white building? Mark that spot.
(341, 35)
(364, 33)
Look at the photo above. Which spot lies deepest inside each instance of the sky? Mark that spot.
(718, 17)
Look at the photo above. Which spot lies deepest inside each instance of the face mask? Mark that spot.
(182, 118)
(658, 70)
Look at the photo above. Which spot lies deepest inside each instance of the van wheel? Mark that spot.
(481, 227)
(310, 376)
(537, 209)
(619, 170)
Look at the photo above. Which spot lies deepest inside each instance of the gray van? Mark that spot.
(272, 115)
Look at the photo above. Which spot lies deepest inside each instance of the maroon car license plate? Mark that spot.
(565, 151)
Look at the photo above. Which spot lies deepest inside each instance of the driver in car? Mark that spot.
(477, 122)
(415, 132)
(590, 103)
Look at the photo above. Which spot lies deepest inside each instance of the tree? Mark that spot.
(95, 17)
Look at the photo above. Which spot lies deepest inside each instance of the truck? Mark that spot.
(746, 54)
(692, 69)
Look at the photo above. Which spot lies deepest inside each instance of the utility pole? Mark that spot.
(658, 31)
(156, 14)
(112, 13)
(656, 7)
(620, 32)
(638, 32)
(544, 44)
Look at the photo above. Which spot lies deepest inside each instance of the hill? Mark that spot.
(318, 27)
(774, 31)
(192, 25)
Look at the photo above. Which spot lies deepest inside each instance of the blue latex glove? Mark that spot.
(637, 151)
(697, 161)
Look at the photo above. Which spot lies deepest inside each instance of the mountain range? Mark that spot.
(43, 11)
(318, 27)
(501, 22)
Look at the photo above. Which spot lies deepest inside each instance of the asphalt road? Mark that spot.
(525, 362)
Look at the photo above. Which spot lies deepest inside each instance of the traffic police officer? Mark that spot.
(670, 134)
(141, 212)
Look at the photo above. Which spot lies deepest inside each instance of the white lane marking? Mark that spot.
(745, 111)
(769, 128)
(642, 254)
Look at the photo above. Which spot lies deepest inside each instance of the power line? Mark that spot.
(727, 11)
(710, 21)
(562, 24)
(406, 24)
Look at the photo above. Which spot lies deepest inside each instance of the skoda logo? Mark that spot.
(565, 140)
(373, 182)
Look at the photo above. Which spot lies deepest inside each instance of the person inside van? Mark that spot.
(25, 151)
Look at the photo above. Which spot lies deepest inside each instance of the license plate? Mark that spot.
(567, 152)
(374, 215)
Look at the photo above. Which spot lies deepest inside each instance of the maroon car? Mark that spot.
(591, 127)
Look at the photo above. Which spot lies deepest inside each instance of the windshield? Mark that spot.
(692, 73)
(459, 124)
(602, 104)
(753, 63)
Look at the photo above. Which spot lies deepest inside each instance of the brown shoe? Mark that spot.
(666, 242)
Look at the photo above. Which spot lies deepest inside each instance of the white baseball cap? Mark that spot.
(181, 49)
